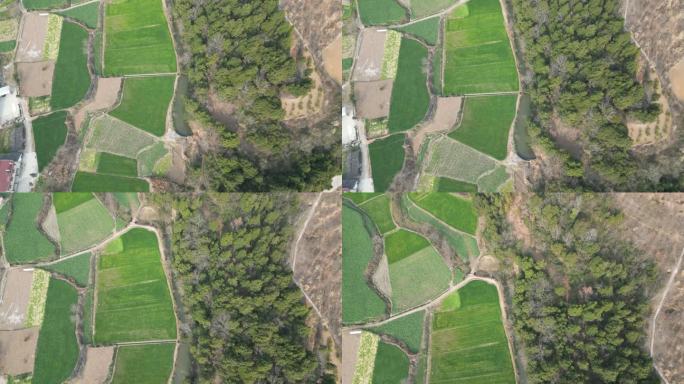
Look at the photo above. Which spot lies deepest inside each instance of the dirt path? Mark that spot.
(670, 281)
(311, 213)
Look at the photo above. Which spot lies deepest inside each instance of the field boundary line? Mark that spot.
(670, 281)
(152, 74)
(79, 5)
(146, 342)
(372, 198)
(439, 13)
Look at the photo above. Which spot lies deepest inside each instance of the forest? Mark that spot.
(580, 293)
(240, 52)
(584, 75)
(247, 315)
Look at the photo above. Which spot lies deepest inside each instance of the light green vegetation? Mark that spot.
(445, 184)
(71, 79)
(4, 213)
(115, 136)
(486, 123)
(451, 302)
(492, 182)
(53, 36)
(464, 245)
(23, 242)
(57, 350)
(44, 4)
(77, 268)
(365, 363)
(98, 40)
(418, 278)
(387, 158)
(8, 29)
(8, 46)
(360, 197)
(150, 157)
(64, 201)
(39, 105)
(88, 160)
(87, 14)
(376, 127)
(359, 302)
(84, 226)
(94, 182)
(381, 12)
(127, 199)
(133, 299)
(437, 71)
(408, 329)
(145, 103)
(403, 243)
(144, 364)
(138, 38)
(460, 12)
(479, 58)
(35, 311)
(423, 8)
(450, 158)
(88, 316)
(469, 341)
(421, 369)
(455, 211)
(49, 133)
(378, 210)
(391, 365)
(110, 164)
(410, 99)
(426, 30)
(390, 55)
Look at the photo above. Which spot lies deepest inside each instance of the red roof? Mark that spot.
(6, 173)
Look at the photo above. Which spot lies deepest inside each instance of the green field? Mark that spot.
(455, 211)
(359, 302)
(381, 12)
(64, 201)
(77, 268)
(133, 299)
(85, 181)
(149, 158)
(408, 329)
(468, 339)
(71, 79)
(464, 245)
(445, 184)
(23, 242)
(417, 279)
(137, 38)
(8, 46)
(144, 364)
(426, 30)
(486, 123)
(145, 103)
(403, 243)
(360, 197)
(378, 210)
(115, 136)
(423, 8)
(44, 4)
(453, 159)
(479, 58)
(410, 99)
(87, 14)
(387, 159)
(57, 350)
(391, 365)
(494, 180)
(110, 164)
(437, 71)
(49, 134)
(127, 199)
(84, 226)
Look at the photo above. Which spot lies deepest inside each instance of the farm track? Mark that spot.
(310, 215)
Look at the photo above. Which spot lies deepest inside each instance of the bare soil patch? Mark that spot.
(488, 264)
(32, 39)
(35, 79)
(318, 22)
(654, 223)
(106, 96)
(50, 225)
(381, 278)
(368, 64)
(318, 266)
(15, 299)
(332, 59)
(373, 98)
(350, 349)
(18, 350)
(96, 366)
(676, 75)
(307, 105)
(447, 112)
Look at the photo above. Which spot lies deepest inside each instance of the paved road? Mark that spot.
(28, 169)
